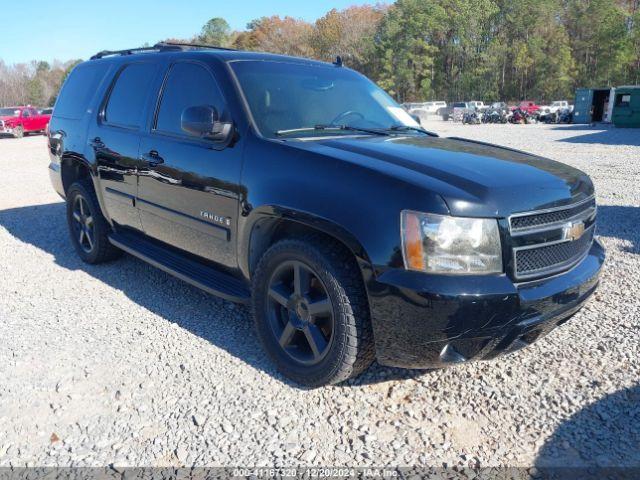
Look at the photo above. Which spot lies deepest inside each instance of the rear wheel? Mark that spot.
(311, 311)
(88, 228)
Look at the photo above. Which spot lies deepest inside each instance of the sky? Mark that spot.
(69, 29)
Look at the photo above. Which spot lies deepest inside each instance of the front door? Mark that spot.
(114, 138)
(188, 192)
(28, 120)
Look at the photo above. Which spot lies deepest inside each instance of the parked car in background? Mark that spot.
(499, 106)
(548, 111)
(454, 111)
(435, 107)
(528, 107)
(478, 105)
(17, 121)
(460, 109)
(497, 112)
(417, 110)
(408, 106)
(560, 105)
(420, 111)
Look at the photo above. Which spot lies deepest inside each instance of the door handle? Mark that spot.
(153, 158)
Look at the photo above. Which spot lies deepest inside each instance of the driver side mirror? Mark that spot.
(203, 121)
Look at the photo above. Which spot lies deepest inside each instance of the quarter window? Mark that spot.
(128, 96)
(78, 90)
(187, 85)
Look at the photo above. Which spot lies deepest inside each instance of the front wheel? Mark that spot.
(18, 132)
(311, 311)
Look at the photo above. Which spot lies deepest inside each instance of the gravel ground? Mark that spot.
(122, 364)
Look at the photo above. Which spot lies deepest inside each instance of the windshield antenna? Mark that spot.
(338, 62)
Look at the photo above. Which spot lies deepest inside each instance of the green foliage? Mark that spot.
(215, 32)
(506, 49)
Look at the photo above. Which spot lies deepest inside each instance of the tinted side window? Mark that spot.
(78, 90)
(187, 85)
(128, 96)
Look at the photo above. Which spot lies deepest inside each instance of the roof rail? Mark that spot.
(187, 46)
(158, 47)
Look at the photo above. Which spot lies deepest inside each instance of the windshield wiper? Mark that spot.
(403, 128)
(349, 128)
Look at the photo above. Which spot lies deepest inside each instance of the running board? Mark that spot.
(202, 276)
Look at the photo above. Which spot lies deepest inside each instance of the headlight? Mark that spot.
(453, 245)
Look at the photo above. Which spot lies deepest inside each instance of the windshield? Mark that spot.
(9, 112)
(288, 96)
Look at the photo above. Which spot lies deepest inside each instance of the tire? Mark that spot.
(88, 228)
(281, 316)
(18, 132)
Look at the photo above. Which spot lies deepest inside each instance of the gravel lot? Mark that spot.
(122, 364)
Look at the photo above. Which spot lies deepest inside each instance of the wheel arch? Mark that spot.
(270, 224)
(73, 169)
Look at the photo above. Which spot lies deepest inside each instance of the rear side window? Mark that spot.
(78, 90)
(125, 106)
(187, 85)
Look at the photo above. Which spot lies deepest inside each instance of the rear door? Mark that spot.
(115, 135)
(188, 194)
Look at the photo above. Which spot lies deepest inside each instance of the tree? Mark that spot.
(405, 49)
(349, 33)
(215, 32)
(599, 39)
(288, 36)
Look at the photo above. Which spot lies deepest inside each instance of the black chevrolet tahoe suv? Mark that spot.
(302, 188)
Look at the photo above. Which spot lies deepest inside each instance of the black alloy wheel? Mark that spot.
(88, 228)
(311, 310)
(300, 312)
(83, 225)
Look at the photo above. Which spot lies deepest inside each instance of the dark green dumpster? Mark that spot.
(626, 109)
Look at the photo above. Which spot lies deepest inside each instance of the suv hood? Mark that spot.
(474, 179)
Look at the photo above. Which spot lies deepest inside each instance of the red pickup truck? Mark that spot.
(17, 121)
(527, 106)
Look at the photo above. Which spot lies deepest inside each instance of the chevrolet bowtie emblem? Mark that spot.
(573, 231)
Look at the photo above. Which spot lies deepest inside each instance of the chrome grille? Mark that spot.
(545, 218)
(544, 239)
(552, 257)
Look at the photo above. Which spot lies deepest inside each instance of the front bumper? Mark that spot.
(4, 130)
(430, 321)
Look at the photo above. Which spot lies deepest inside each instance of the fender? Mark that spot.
(70, 159)
(271, 216)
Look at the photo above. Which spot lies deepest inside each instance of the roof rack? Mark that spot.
(158, 47)
(187, 46)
